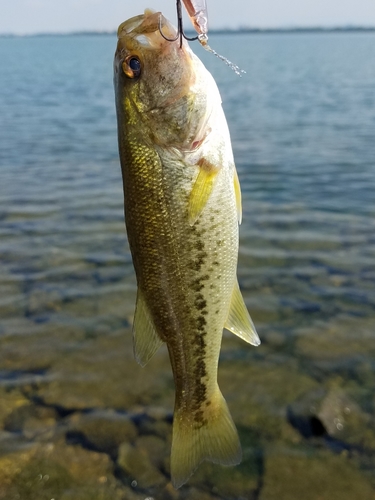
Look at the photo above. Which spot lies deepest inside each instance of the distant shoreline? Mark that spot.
(220, 31)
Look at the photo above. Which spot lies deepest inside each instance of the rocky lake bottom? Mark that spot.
(80, 419)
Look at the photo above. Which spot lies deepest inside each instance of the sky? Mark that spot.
(43, 16)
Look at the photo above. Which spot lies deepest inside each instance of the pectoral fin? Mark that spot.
(239, 321)
(145, 339)
(237, 192)
(202, 189)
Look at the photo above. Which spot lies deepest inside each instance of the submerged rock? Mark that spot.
(101, 430)
(102, 373)
(267, 390)
(31, 420)
(332, 412)
(299, 475)
(10, 402)
(156, 449)
(135, 463)
(45, 471)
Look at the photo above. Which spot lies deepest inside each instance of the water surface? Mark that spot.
(302, 122)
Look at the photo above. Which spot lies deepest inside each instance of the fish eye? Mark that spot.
(132, 67)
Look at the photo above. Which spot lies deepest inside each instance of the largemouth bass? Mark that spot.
(182, 208)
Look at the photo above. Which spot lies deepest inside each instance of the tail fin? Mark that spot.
(215, 439)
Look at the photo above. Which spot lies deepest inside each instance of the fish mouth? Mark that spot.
(167, 68)
(146, 29)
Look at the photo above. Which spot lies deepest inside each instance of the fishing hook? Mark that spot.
(180, 27)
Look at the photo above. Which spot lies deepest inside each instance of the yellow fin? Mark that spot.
(202, 189)
(239, 321)
(237, 192)
(145, 339)
(214, 439)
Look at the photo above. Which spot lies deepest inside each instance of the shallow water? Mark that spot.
(302, 122)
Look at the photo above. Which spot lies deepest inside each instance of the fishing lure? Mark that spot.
(197, 11)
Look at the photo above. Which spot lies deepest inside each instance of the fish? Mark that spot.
(182, 203)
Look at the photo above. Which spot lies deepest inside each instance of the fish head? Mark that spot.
(158, 82)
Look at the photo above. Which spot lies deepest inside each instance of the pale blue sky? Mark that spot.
(31, 16)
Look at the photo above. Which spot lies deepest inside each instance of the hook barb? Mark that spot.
(180, 27)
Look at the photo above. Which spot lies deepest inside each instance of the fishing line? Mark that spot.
(203, 41)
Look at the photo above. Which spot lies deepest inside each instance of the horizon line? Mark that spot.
(213, 31)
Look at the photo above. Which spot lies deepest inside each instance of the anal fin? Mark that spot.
(239, 321)
(145, 339)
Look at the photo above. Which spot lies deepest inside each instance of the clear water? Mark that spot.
(302, 122)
